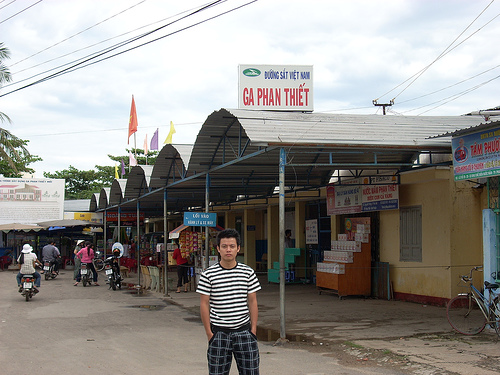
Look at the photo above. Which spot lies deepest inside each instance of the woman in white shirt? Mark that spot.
(27, 261)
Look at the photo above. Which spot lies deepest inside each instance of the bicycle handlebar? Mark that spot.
(468, 277)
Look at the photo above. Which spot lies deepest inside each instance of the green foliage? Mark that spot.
(82, 184)
(79, 184)
(14, 156)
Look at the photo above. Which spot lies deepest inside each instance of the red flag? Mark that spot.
(132, 124)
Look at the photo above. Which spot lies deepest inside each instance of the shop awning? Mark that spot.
(175, 233)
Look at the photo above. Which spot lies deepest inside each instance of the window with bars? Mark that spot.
(410, 234)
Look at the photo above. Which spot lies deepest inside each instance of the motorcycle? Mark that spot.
(28, 289)
(48, 269)
(86, 274)
(111, 270)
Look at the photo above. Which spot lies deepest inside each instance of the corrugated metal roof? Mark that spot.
(241, 151)
(266, 128)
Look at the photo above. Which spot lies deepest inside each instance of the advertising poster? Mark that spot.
(343, 199)
(350, 199)
(31, 200)
(476, 155)
(275, 87)
(380, 197)
(312, 237)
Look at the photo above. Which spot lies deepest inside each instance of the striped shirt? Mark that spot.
(228, 290)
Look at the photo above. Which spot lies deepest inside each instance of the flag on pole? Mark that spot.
(154, 141)
(116, 171)
(131, 160)
(123, 168)
(132, 123)
(170, 134)
(146, 145)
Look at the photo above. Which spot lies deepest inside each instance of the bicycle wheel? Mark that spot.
(465, 316)
(495, 316)
(99, 264)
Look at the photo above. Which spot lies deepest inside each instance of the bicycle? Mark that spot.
(468, 313)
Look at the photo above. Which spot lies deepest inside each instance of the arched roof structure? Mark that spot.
(239, 151)
(94, 202)
(117, 191)
(168, 168)
(104, 198)
(138, 181)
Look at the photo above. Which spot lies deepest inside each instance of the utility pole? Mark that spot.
(376, 104)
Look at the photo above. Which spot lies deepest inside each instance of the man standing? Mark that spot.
(229, 311)
(50, 253)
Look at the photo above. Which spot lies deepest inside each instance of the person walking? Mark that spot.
(182, 270)
(86, 255)
(229, 310)
(27, 260)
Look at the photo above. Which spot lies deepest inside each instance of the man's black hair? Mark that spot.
(288, 231)
(229, 233)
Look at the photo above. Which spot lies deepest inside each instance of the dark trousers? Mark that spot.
(90, 266)
(182, 274)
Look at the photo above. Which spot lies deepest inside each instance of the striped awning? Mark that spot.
(175, 233)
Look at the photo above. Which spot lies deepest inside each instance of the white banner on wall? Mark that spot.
(31, 200)
(275, 87)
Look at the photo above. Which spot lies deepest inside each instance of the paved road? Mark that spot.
(94, 330)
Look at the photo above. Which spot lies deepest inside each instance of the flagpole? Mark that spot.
(135, 148)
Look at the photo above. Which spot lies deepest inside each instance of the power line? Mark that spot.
(91, 45)
(6, 5)
(447, 50)
(89, 61)
(116, 46)
(450, 86)
(21, 11)
(452, 97)
(78, 33)
(116, 129)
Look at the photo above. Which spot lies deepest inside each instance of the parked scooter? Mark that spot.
(112, 270)
(28, 289)
(86, 274)
(48, 269)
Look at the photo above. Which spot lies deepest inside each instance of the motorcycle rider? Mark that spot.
(27, 261)
(50, 253)
(115, 264)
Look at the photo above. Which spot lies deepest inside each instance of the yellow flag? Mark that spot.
(170, 134)
(116, 171)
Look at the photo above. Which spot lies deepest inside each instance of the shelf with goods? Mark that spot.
(346, 268)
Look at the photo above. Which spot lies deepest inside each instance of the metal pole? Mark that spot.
(119, 223)
(138, 245)
(165, 241)
(207, 200)
(281, 213)
(104, 233)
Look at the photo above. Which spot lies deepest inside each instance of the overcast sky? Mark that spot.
(360, 51)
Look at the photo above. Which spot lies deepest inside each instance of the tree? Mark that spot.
(82, 184)
(14, 156)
